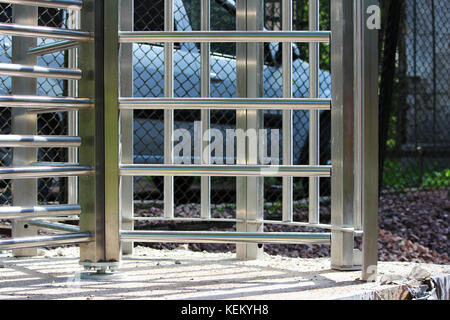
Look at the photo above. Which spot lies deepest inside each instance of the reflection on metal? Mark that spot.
(20, 70)
(54, 226)
(22, 212)
(23, 101)
(32, 172)
(224, 36)
(225, 103)
(16, 140)
(53, 47)
(224, 170)
(45, 241)
(226, 237)
(10, 29)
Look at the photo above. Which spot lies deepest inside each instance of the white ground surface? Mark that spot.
(182, 274)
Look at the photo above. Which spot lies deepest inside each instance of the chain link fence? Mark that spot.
(417, 121)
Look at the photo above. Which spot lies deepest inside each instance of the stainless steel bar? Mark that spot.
(205, 182)
(342, 144)
(314, 116)
(288, 133)
(73, 23)
(224, 36)
(369, 167)
(226, 237)
(29, 101)
(224, 170)
(126, 121)
(15, 140)
(292, 223)
(241, 124)
(21, 70)
(54, 225)
(89, 126)
(61, 4)
(110, 117)
(225, 103)
(23, 212)
(255, 122)
(168, 113)
(53, 47)
(12, 29)
(45, 241)
(24, 192)
(32, 172)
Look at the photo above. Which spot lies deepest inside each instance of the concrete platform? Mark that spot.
(182, 274)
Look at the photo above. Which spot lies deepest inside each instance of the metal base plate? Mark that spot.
(99, 276)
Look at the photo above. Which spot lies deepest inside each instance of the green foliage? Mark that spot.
(399, 177)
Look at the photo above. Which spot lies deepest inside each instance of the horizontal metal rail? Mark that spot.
(17, 212)
(233, 220)
(54, 226)
(226, 237)
(224, 170)
(31, 172)
(61, 4)
(53, 47)
(19, 30)
(224, 103)
(20, 70)
(45, 241)
(22, 101)
(223, 36)
(15, 141)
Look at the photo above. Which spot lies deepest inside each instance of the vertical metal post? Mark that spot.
(73, 23)
(249, 16)
(314, 116)
(24, 191)
(126, 121)
(369, 134)
(286, 16)
(168, 113)
(342, 133)
(99, 130)
(205, 114)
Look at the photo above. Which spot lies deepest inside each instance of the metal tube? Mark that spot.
(342, 133)
(225, 103)
(23, 123)
(22, 212)
(226, 237)
(32, 172)
(314, 116)
(53, 47)
(15, 140)
(369, 172)
(20, 70)
(22, 101)
(54, 226)
(126, 16)
(288, 133)
(45, 241)
(168, 113)
(19, 30)
(224, 36)
(205, 183)
(61, 4)
(224, 170)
